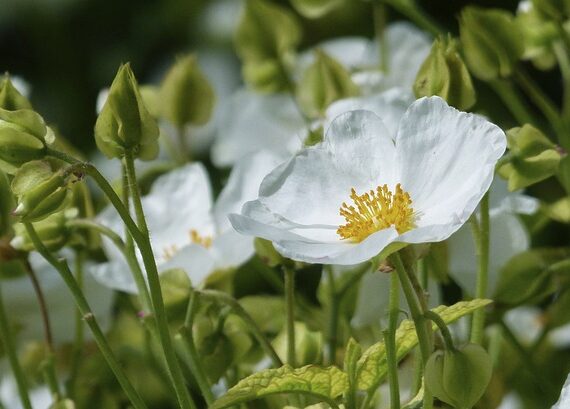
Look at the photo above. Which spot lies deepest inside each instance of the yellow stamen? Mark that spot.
(374, 211)
(205, 241)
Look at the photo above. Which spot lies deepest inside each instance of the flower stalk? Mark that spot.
(390, 341)
(290, 313)
(481, 236)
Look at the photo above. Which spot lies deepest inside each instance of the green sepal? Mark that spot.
(322, 83)
(308, 344)
(52, 230)
(6, 203)
(186, 95)
(444, 74)
(470, 364)
(492, 42)
(124, 124)
(532, 157)
(557, 10)
(10, 97)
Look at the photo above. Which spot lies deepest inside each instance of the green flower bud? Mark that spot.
(40, 192)
(492, 42)
(53, 231)
(532, 157)
(10, 98)
(124, 124)
(324, 82)
(186, 94)
(23, 138)
(6, 203)
(308, 345)
(444, 74)
(266, 37)
(538, 35)
(460, 376)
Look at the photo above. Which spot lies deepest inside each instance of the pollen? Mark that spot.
(197, 238)
(376, 210)
(169, 251)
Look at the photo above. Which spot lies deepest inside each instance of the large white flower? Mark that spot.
(21, 301)
(418, 185)
(187, 230)
(40, 397)
(564, 400)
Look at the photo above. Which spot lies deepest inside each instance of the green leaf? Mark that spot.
(326, 384)
(315, 8)
(10, 98)
(528, 275)
(372, 366)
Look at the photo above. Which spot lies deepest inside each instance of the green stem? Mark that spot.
(333, 316)
(513, 101)
(194, 359)
(77, 349)
(541, 100)
(380, 12)
(7, 341)
(63, 269)
(174, 369)
(561, 52)
(43, 307)
(219, 296)
(417, 313)
(290, 313)
(390, 341)
(417, 16)
(442, 328)
(50, 378)
(482, 245)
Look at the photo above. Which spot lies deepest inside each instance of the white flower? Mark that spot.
(20, 299)
(40, 397)
(408, 47)
(426, 180)
(507, 237)
(187, 230)
(250, 122)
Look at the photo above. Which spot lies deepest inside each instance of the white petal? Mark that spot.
(20, 298)
(250, 122)
(500, 199)
(446, 162)
(179, 201)
(242, 186)
(310, 188)
(508, 237)
(408, 47)
(231, 249)
(195, 260)
(115, 275)
(390, 106)
(525, 322)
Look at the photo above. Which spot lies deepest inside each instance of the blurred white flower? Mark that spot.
(250, 122)
(187, 230)
(407, 46)
(423, 183)
(507, 237)
(40, 397)
(20, 299)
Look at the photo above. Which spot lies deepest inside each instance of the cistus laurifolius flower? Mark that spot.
(124, 124)
(347, 198)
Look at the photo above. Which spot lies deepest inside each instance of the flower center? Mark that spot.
(197, 238)
(374, 211)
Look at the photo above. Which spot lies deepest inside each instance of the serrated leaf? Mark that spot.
(372, 367)
(323, 383)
